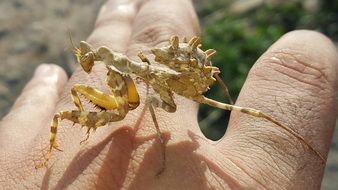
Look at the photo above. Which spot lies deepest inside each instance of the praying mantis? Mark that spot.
(180, 67)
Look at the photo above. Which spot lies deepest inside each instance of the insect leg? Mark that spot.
(152, 103)
(92, 120)
(224, 88)
(209, 53)
(98, 98)
(255, 113)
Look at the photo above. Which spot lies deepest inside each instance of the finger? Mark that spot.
(152, 28)
(34, 107)
(112, 29)
(295, 82)
(114, 23)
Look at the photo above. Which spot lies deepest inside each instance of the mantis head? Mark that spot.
(85, 56)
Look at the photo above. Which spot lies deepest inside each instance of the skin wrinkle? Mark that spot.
(259, 83)
(278, 137)
(285, 74)
(252, 142)
(228, 177)
(154, 35)
(246, 172)
(305, 100)
(261, 140)
(284, 89)
(282, 58)
(274, 158)
(214, 177)
(238, 154)
(298, 56)
(273, 106)
(296, 77)
(264, 178)
(162, 29)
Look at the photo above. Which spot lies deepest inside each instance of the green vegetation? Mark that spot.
(241, 36)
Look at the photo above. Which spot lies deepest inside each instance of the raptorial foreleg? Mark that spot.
(91, 120)
(97, 97)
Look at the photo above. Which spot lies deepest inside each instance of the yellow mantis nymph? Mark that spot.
(181, 68)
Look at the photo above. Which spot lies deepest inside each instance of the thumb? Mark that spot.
(295, 81)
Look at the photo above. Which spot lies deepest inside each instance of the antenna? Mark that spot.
(76, 50)
(70, 38)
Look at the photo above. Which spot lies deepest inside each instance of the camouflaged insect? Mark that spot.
(181, 68)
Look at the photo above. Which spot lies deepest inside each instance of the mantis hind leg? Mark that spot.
(256, 113)
(224, 88)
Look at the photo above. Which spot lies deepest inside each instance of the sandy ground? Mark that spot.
(34, 32)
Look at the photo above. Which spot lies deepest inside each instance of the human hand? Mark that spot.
(295, 81)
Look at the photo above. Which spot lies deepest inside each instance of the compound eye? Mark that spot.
(88, 57)
(87, 62)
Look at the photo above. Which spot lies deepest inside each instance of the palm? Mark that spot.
(295, 81)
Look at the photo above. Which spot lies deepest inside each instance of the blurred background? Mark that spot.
(35, 31)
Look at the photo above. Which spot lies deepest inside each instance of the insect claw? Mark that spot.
(87, 136)
(56, 147)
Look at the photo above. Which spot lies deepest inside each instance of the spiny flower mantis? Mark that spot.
(181, 68)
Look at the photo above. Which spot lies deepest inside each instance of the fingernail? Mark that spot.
(43, 70)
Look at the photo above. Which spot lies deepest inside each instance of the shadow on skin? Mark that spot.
(120, 138)
(183, 165)
(126, 165)
(46, 177)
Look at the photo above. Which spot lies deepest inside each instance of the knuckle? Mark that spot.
(154, 34)
(118, 13)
